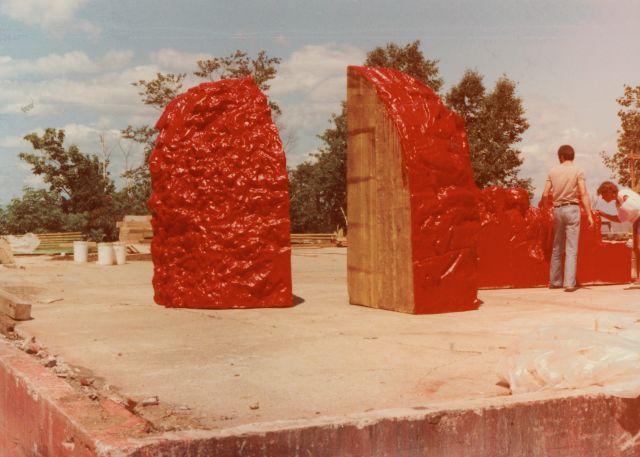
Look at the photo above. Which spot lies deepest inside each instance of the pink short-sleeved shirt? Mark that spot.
(564, 183)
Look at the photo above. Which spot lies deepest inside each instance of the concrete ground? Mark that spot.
(217, 369)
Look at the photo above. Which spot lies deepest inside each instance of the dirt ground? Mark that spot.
(98, 327)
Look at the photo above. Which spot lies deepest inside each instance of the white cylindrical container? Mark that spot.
(105, 254)
(120, 251)
(80, 251)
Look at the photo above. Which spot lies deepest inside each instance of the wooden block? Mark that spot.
(14, 307)
(7, 325)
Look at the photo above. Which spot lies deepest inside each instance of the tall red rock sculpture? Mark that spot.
(412, 202)
(220, 201)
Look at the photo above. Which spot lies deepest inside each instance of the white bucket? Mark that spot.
(80, 251)
(120, 251)
(105, 254)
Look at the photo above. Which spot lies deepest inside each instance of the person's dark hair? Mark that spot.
(606, 187)
(566, 152)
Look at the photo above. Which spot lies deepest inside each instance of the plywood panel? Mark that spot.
(379, 237)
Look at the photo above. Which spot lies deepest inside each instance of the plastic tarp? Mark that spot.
(557, 358)
(23, 244)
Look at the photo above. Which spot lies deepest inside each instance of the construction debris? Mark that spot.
(22, 244)
(6, 255)
(14, 307)
(135, 229)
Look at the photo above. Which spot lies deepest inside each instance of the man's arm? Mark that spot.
(545, 194)
(584, 197)
(607, 216)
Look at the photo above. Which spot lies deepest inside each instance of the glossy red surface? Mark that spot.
(515, 240)
(463, 238)
(220, 201)
(444, 198)
(515, 245)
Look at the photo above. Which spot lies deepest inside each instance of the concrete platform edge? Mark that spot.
(41, 415)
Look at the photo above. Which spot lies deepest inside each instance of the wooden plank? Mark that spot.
(55, 234)
(14, 307)
(379, 258)
(7, 325)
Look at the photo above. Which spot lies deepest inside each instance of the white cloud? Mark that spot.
(172, 60)
(309, 86)
(32, 180)
(69, 63)
(105, 94)
(553, 125)
(315, 65)
(281, 40)
(13, 142)
(27, 108)
(52, 16)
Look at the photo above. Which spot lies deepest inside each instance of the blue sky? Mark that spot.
(69, 64)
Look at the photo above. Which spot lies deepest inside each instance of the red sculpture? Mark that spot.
(220, 201)
(436, 187)
(460, 238)
(515, 245)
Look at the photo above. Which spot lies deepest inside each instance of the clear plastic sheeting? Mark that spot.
(568, 358)
(23, 244)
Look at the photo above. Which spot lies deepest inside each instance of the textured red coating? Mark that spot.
(443, 196)
(515, 244)
(220, 201)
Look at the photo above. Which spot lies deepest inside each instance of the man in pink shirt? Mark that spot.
(567, 186)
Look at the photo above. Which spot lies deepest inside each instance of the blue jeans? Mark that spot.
(566, 232)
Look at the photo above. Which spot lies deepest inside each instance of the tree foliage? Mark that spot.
(628, 137)
(80, 179)
(318, 189)
(81, 194)
(39, 211)
(158, 92)
(408, 59)
(494, 122)
(238, 65)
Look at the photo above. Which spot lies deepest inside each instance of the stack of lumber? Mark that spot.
(135, 229)
(313, 239)
(57, 243)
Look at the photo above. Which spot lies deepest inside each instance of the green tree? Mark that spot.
(3, 221)
(158, 92)
(318, 189)
(40, 211)
(408, 59)
(620, 162)
(495, 122)
(79, 180)
(238, 65)
(320, 203)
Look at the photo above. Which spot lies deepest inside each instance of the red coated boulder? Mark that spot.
(220, 201)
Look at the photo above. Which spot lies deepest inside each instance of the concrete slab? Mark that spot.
(320, 364)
